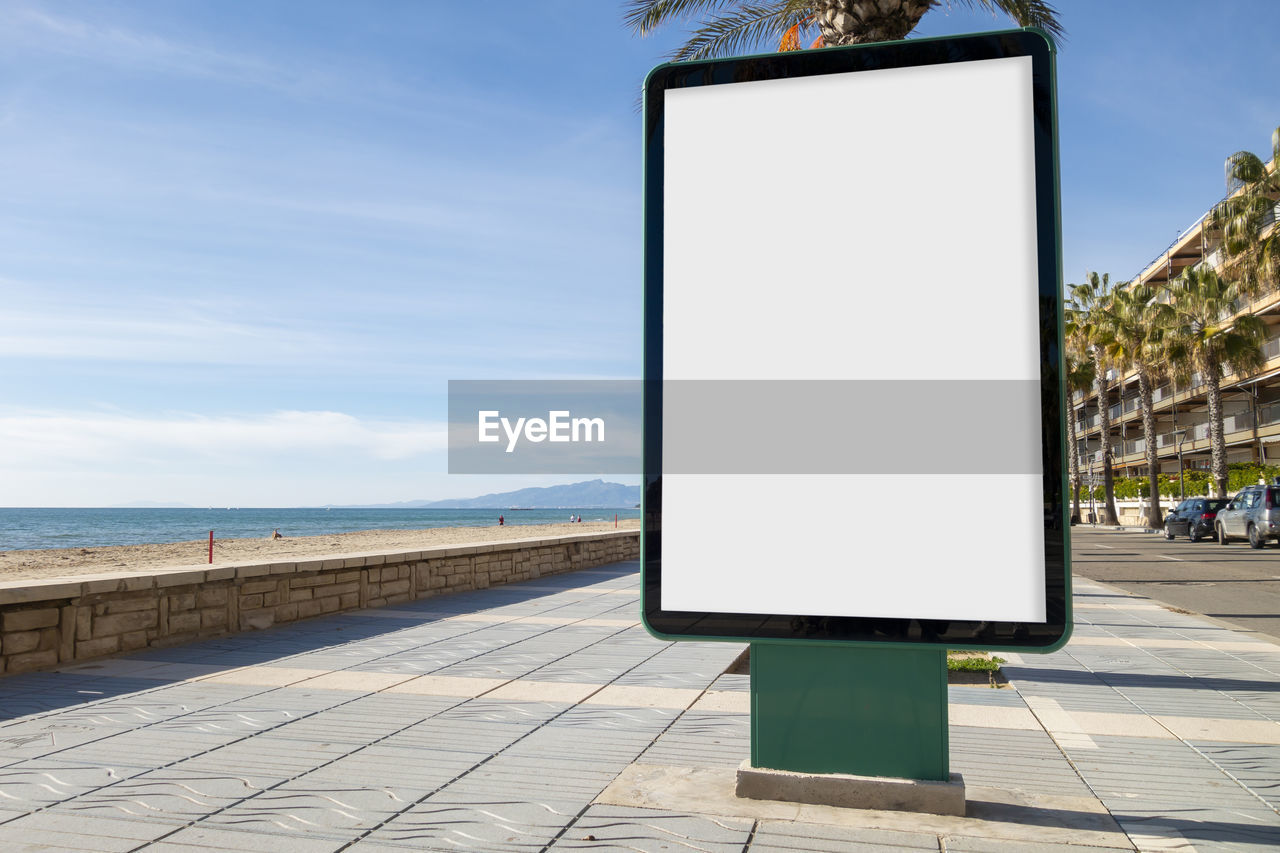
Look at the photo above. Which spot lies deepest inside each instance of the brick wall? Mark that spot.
(48, 622)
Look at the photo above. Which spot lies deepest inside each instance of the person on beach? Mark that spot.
(501, 521)
(275, 534)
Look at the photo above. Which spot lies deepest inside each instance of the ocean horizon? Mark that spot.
(38, 528)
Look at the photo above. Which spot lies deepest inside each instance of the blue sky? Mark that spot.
(244, 246)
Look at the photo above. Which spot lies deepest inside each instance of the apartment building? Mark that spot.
(1251, 404)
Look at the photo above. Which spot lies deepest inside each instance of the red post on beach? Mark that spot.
(615, 520)
(210, 546)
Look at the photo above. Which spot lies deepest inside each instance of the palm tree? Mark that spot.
(1135, 329)
(728, 27)
(1204, 339)
(1086, 318)
(1080, 373)
(1250, 255)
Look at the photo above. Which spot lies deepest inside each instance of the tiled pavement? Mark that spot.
(542, 716)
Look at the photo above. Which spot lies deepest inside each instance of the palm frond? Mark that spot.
(790, 39)
(1080, 373)
(1242, 168)
(1205, 333)
(644, 16)
(1027, 13)
(736, 32)
(1240, 219)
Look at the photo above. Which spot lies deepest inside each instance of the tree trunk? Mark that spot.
(1109, 514)
(1217, 441)
(1073, 459)
(1155, 519)
(861, 21)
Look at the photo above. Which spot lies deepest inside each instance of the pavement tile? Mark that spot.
(643, 721)
(653, 831)
(703, 739)
(981, 694)
(146, 747)
(58, 830)
(266, 676)
(480, 823)
(732, 701)
(597, 668)
(1201, 830)
(484, 711)
(479, 738)
(179, 671)
(511, 782)
(50, 736)
(1244, 731)
(229, 720)
(773, 836)
(363, 682)
(446, 685)
(643, 697)
(544, 620)
(320, 803)
(267, 757)
(735, 683)
(173, 794)
(963, 844)
(1257, 766)
(992, 717)
(44, 781)
(380, 766)
(1063, 727)
(1134, 775)
(121, 712)
(567, 692)
(655, 676)
(114, 667)
(332, 728)
(206, 839)
(1000, 758)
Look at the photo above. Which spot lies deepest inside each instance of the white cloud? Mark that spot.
(55, 440)
(176, 335)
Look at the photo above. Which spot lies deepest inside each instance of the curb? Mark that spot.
(1119, 528)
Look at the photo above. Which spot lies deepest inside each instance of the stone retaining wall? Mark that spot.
(48, 622)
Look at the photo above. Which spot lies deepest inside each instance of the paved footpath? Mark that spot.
(541, 716)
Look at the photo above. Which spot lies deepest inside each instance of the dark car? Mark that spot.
(1194, 517)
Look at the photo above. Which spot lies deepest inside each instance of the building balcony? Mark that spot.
(1238, 429)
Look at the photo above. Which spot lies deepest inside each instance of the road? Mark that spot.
(1233, 583)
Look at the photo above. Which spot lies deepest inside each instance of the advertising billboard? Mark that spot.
(853, 406)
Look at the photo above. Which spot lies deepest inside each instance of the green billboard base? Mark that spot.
(857, 710)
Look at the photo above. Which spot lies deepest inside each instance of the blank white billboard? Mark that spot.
(877, 225)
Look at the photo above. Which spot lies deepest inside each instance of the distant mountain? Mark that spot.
(151, 505)
(588, 494)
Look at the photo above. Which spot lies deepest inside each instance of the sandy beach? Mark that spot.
(29, 565)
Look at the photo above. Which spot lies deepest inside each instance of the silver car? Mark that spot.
(1253, 514)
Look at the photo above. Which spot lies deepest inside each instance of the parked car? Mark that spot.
(1253, 514)
(1193, 518)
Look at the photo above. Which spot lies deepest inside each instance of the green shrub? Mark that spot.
(974, 664)
(1241, 474)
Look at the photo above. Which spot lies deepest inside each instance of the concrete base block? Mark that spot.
(853, 792)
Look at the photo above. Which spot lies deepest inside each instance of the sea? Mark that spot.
(34, 528)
